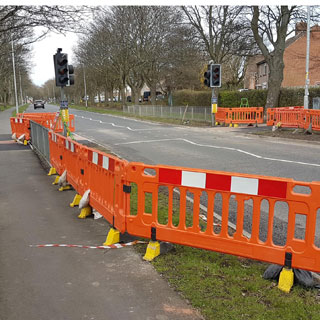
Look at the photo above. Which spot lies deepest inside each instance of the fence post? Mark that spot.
(192, 113)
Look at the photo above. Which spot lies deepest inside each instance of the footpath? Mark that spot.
(61, 283)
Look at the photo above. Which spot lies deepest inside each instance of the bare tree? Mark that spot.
(15, 19)
(270, 29)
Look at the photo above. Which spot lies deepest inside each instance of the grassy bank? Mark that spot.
(119, 112)
(2, 107)
(222, 286)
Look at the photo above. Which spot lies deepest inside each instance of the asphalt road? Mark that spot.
(220, 148)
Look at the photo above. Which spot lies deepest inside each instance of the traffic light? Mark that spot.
(70, 75)
(216, 75)
(207, 77)
(62, 69)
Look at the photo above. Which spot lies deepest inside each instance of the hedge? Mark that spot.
(232, 99)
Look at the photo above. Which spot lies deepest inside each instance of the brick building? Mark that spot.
(257, 72)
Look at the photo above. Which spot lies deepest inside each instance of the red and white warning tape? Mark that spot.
(112, 246)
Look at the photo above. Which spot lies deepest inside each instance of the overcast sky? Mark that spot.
(42, 55)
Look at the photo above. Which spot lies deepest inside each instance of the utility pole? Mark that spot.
(14, 78)
(306, 90)
(21, 96)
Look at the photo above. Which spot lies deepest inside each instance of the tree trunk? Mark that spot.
(276, 67)
(153, 94)
(123, 96)
(136, 96)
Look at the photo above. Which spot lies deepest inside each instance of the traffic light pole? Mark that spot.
(214, 104)
(64, 110)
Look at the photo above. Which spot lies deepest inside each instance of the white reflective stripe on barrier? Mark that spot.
(193, 179)
(95, 157)
(244, 185)
(105, 162)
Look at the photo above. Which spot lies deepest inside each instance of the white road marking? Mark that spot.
(114, 125)
(225, 148)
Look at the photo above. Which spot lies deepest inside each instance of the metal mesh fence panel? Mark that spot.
(182, 113)
(40, 140)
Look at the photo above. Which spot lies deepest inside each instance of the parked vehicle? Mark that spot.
(39, 104)
(147, 95)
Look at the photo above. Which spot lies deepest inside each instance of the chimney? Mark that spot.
(300, 27)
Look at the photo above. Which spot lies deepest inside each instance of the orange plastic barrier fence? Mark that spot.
(20, 126)
(291, 118)
(47, 119)
(88, 168)
(294, 117)
(241, 199)
(250, 115)
(177, 227)
(312, 116)
(221, 115)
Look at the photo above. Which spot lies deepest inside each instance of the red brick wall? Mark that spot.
(295, 61)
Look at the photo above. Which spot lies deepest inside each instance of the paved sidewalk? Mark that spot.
(66, 283)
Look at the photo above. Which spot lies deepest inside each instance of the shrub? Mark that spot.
(232, 99)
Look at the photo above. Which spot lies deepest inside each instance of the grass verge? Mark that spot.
(222, 286)
(2, 107)
(21, 109)
(119, 112)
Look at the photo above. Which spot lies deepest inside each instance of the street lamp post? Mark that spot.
(306, 90)
(14, 79)
(21, 95)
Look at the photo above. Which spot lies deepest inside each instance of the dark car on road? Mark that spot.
(38, 104)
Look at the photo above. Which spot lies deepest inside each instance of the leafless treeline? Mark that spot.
(164, 47)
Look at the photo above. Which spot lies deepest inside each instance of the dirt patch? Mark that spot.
(297, 134)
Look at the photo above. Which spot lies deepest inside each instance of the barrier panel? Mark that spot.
(294, 117)
(102, 173)
(221, 115)
(312, 116)
(229, 186)
(291, 118)
(244, 115)
(57, 152)
(47, 119)
(250, 115)
(20, 126)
